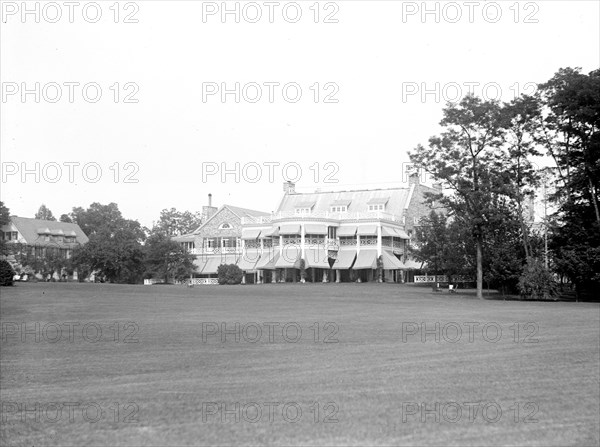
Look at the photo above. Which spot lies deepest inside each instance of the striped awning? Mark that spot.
(344, 260)
(367, 230)
(316, 258)
(213, 262)
(249, 259)
(390, 261)
(271, 232)
(389, 231)
(366, 259)
(250, 233)
(347, 231)
(290, 257)
(267, 260)
(199, 263)
(402, 234)
(289, 229)
(315, 229)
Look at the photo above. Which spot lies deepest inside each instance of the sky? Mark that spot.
(156, 104)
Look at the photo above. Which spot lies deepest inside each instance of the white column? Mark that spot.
(302, 238)
(379, 240)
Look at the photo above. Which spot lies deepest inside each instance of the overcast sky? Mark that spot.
(361, 70)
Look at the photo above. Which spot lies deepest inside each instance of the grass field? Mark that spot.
(380, 380)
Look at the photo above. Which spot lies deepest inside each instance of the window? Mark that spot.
(11, 235)
(211, 243)
(339, 209)
(225, 226)
(332, 232)
(302, 210)
(378, 207)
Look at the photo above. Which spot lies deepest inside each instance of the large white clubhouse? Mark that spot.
(356, 235)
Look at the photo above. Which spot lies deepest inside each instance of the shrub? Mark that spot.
(229, 274)
(536, 282)
(6, 273)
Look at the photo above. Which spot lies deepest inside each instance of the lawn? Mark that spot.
(369, 366)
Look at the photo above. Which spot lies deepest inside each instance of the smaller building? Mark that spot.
(38, 246)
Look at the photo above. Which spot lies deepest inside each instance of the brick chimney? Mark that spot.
(289, 187)
(208, 211)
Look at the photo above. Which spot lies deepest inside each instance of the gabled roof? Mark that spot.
(357, 200)
(245, 212)
(238, 211)
(29, 230)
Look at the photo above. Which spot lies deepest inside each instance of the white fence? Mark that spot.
(442, 278)
(203, 281)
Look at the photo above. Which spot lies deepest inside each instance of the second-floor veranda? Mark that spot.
(240, 245)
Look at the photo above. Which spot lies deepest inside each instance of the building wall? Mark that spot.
(211, 229)
(11, 227)
(418, 207)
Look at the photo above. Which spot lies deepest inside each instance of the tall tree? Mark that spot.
(44, 213)
(522, 123)
(463, 158)
(444, 244)
(115, 247)
(65, 218)
(4, 220)
(175, 223)
(166, 259)
(97, 218)
(572, 136)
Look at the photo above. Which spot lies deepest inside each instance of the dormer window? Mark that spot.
(377, 207)
(378, 203)
(339, 209)
(304, 207)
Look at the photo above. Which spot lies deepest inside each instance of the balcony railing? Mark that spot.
(366, 215)
(215, 250)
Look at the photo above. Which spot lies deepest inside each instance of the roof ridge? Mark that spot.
(354, 190)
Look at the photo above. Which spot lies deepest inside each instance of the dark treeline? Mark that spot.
(119, 250)
(486, 158)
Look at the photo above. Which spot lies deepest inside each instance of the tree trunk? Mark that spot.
(478, 245)
(594, 199)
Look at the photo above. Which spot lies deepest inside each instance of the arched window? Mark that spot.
(225, 226)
